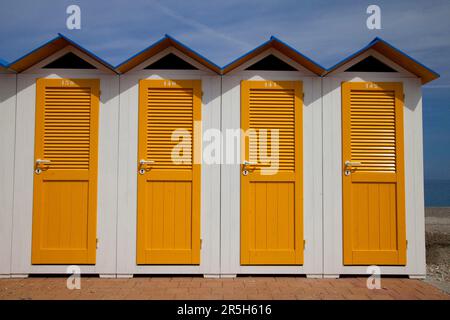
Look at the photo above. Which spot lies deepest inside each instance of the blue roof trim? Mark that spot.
(377, 39)
(247, 53)
(4, 63)
(192, 50)
(298, 52)
(34, 50)
(107, 64)
(350, 57)
(166, 36)
(140, 52)
(368, 46)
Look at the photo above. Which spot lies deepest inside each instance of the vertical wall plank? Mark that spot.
(7, 140)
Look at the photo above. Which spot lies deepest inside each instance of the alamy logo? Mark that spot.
(74, 280)
(74, 19)
(374, 20)
(374, 280)
(263, 145)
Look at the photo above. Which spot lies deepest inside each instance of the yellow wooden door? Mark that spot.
(168, 215)
(65, 179)
(271, 180)
(373, 174)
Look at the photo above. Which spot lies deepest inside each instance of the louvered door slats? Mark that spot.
(273, 109)
(372, 130)
(67, 127)
(169, 110)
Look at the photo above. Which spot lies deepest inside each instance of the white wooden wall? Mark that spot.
(7, 139)
(127, 179)
(332, 173)
(312, 172)
(24, 167)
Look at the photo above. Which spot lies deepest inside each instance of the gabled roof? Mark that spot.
(49, 48)
(166, 42)
(395, 55)
(283, 48)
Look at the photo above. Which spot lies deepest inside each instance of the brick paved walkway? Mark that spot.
(199, 288)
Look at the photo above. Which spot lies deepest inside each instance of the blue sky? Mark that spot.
(326, 31)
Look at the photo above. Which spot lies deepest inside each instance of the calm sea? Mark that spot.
(437, 193)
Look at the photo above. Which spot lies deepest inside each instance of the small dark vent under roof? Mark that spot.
(271, 63)
(171, 62)
(370, 64)
(69, 61)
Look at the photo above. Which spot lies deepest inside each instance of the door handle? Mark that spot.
(245, 165)
(348, 167)
(248, 164)
(143, 163)
(352, 164)
(42, 161)
(39, 163)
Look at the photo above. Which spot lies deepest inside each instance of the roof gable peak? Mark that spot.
(160, 45)
(282, 47)
(51, 47)
(395, 55)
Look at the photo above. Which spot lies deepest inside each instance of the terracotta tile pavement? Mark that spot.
(240, 288)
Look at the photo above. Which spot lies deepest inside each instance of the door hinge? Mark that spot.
(201, 244)
(202, 93)
(406, 244)
(303, 95)
(96, 243)
(99, 92)
(304, 244)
